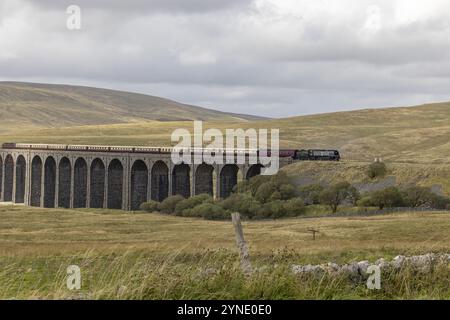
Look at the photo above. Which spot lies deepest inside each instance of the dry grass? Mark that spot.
(151, 256)
(429, 175)
(54, 231)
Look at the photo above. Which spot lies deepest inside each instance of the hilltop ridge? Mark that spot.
(53, 105)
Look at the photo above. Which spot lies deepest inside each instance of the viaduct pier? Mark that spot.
(75, 176)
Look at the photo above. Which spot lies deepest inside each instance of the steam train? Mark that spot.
(92, 148)
(310, 154)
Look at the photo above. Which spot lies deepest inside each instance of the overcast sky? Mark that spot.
(267, 57)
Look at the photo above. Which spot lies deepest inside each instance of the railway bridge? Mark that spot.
(75, 176)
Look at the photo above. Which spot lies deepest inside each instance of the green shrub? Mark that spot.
(254, 183)
(279, 179)
(389, 197)
(376, 169)
(265, 191)
(365, 201)
(287, 191)
(274, 209)
(353, 195)
(190, 203)
(242, 186)
(245, 204)
(275, 196)
(439, 202)
(150, 206)
(234, 201)
(210, 211)
(311, 193)
(250, 209)
(294, 207)
(169, 204)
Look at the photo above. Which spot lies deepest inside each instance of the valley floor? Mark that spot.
(152, 256)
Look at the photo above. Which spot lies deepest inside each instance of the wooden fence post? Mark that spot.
(313, 231)
(241, 244)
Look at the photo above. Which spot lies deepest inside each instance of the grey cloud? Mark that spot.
(145, 6)
(234, 55)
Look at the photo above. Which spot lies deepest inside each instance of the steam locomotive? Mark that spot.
(310, 154)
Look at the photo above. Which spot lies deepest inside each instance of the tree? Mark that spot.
(255, 182)
(389, 197)
(334, 195)
(245, 204)
(439, 202)
(416, 196)
(365, 201)
(265, 191)
(242, 187)
(311, 193)
(353, 195)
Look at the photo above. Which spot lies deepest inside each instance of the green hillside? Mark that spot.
(48, 105)
(409, 134)
(436, 176)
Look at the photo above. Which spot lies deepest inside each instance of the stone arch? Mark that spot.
(181, 182)
(115, 184)
(65, 177)
(254, 170)
(36, 180)
(228, 179)
(160, 181)
(1, 176)
(204, 179)
(139, 184)
(97, 183)
(49, 182)
(9, 178)
(80, 179)
(21, 169)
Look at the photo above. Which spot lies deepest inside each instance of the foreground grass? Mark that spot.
(150, 256)
(209, 275)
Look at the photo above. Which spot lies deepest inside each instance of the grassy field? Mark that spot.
(146, 256)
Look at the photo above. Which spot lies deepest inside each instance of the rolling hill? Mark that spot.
(49, 105)
(419, 134)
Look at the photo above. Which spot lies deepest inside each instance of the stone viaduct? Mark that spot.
(64, 176)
